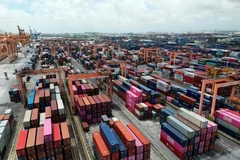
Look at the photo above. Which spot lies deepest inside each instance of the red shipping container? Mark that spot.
(57, 139)
(103, 101)
(101, 146)
(131, 152)
(115, 156)
(125, 136)
(98, 104)
(146, 155)
(36, 100)
(21, 144)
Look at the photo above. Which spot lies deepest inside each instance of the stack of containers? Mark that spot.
(127, 139)
(131, 100)
(110, 141)
(162, 87)
(21, 145)
(40, 149)
(8, 115)
(100, 149)
(188, 78)
(146, 144)
(14, 94)
(27, 119)
(188, 134)
(30, 145)
(48, 138)
(5, 133)
(66, 141)
(178, 76)
(137, 92)
(229, 122)
(57, 141)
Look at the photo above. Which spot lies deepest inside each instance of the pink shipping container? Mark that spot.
(83, 88)
(131, 158)
(131, 100)
(169, 99)
(74, 88)
(47, 130)
(136, 91)
(209, 129)
(173, 142)
(200, 150)
(225, 116)
(214, 126)
(139, 156)
(230, 113)
(201, 144)
(138, 143)
(208, 137)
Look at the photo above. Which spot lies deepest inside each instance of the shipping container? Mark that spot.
(146, 143)
(138, 144)
(34, 117)
(57, 139)
(65, 134)
(227, 117)
(108, 137)
(181, 127)
(175, 134)
(101, 146)
(123, 152)
(47, 130)
(21, 144)
(125, 136)
(193, 117)
(48, 112)
(190, 124)
(30, 146)
(27, 119)
(40, 143)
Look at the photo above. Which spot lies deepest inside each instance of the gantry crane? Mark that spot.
(214, 73)
(123, 65)
(23, 37)
(227, 82)
(98, 75)
(21, 74)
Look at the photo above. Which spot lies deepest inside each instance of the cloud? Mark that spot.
(121, 16)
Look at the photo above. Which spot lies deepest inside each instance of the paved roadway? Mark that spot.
(151, 129)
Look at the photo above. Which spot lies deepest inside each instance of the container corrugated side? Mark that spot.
(27, 119)
(193, 117)
(109, 138)
(181, 127)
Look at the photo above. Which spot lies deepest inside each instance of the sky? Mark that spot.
(77, 16)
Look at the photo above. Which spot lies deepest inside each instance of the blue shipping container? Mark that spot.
(123, 89)
(122, 148)
(126, 85)
(176, 135)
(109, 138)
(30, 102)
(229, 132)
(164, 114)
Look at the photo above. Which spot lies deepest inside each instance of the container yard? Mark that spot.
(108, 97)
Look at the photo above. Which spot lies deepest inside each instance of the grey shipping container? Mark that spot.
(181, 127)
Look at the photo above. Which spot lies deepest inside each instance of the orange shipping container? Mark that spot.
(65, 134)
(34, 117)
(146, 143)
(48, 112)
(30, 146)
(101, 146)
(124, 134)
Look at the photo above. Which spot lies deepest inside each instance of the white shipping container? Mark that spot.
(44, 77)
(52, 89)
(145, 107)
(181, 127)
(57, 89)
(9, 111)
(122, 79)
(58, 96)
(189, 74)
(114, 119)
(138, 113)
(193, 117)
(61, 110)
(146, 78)
(27, 119)
(227, 125)
(42, 118)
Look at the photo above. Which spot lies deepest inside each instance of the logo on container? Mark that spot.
(228, 119)
(170, 139)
